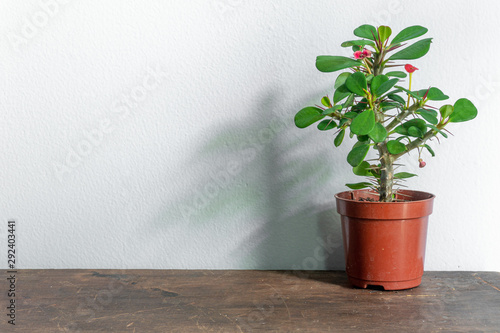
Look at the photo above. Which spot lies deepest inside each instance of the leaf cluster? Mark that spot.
(369, 101)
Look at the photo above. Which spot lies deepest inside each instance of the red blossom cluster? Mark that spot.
(362, 54)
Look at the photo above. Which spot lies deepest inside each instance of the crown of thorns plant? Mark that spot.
(376, 108)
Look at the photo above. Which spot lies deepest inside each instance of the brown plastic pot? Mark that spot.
(384, 242)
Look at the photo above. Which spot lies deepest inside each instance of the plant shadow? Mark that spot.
(269, 183)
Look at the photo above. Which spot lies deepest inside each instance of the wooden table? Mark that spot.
(247, 301)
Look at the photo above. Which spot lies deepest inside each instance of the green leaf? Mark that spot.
(437, 130)
(328, 64)
(363, 169)
(361, 105)
(404, 175)
(377, 81)
(350, 115)
(414, 51)
(348, 102)
(399, 74)
(331, 110)
(430, 150)
(411, 93)
(434, 94)
(384, 33)
(363, 139)
(339, 138)
(341, 79)
(428, 115)
(326, 101)
(357, 154)
(366, 31)
(343, 121)
(359, 186)
(396, 98)
(409, 33)
(363, 123)
(307, 116)
(327, 124)
(356, 83)
(395, 147)
(341, 93)
(401, 130)
(446, 110)
(378, 133)
(415, 132)
(429, 111)
(389, 106)
(386, 86)
(463, 110)
(418, 123)
(359, 42)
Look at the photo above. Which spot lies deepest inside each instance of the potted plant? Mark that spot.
(384, 227)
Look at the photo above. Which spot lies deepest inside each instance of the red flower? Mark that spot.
(410, 69)
(421, 163)
(358, 55)
(362, 54)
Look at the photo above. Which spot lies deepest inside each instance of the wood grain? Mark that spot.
(249, 301)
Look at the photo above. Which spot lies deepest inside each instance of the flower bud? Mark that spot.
(410, 68)
(421, 163)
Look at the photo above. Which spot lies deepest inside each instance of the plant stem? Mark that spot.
(386, 172)
(387, 160)
(400, 117)
(377, 62)
(367, 66)
(416, 143)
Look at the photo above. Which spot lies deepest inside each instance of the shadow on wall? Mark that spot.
(269, 180)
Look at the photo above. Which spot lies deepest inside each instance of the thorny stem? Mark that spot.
(387, 159)
(399, 118)
(386, 172)
(416, 143)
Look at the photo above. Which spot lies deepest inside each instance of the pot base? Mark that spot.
(387, 285)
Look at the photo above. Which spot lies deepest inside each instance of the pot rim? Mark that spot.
(426, 197)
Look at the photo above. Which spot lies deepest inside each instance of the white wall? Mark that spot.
(159, 134)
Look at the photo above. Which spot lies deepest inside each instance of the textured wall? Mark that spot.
(159, 134)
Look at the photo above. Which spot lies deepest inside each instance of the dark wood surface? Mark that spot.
(248, 301)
